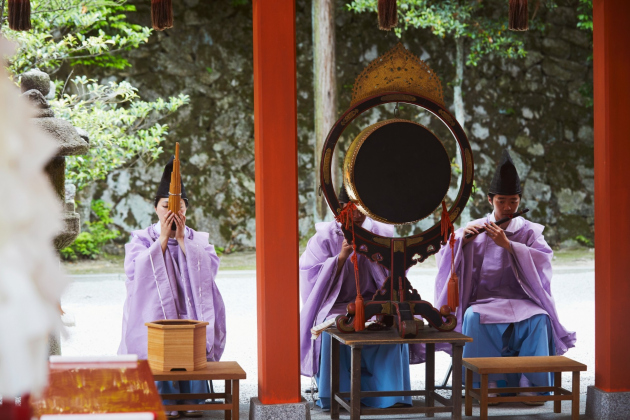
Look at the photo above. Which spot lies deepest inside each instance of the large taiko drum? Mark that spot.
(397, 171)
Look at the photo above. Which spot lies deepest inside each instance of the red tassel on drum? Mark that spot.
(359, 315)
(20, 15)
(161, 14)
(447, 230)
(346, 219)
(519, 16)
(453, 292)
(452, 295)
(387, 14)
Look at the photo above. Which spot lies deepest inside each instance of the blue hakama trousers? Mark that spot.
(530, 337)
(383, 368)
(182, 387)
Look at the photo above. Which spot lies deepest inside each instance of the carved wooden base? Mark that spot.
(390, 312)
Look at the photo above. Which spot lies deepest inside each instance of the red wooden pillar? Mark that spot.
(611, 74)
(275, 118)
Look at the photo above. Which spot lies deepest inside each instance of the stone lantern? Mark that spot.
(72, 141)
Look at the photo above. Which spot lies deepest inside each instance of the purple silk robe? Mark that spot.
(171, 286)
(324, 296)
(503, 287)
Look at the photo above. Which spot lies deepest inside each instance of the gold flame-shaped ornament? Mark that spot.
(398, 70)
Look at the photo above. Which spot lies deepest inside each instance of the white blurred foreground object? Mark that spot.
(318, 329)
(112, 416)
(94, 359)
(30, 217)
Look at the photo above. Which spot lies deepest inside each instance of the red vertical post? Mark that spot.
(611, 74)
(275, 119)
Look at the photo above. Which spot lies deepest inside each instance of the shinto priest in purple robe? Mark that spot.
(170, 275)
(327, 285)
(505, 273)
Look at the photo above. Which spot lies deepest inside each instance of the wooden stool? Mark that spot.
(557, 364)
(231, 372)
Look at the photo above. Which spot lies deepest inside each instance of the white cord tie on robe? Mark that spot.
(157, 285)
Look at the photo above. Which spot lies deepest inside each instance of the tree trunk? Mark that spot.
(325, 90)
(458, 100)
(460, 113)
(1, 14)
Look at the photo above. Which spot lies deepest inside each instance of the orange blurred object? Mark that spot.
(90, 388)
(175, 190)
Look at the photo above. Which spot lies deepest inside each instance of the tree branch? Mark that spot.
(95, 55)
(65, 84)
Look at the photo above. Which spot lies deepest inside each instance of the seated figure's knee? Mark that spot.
(540, 321)
(470, 321)
(471, 316)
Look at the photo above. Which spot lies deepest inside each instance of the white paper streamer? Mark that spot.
(31, 283)
(94, 359)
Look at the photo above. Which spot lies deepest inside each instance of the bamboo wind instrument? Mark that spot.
(175, 189)
(498, 222)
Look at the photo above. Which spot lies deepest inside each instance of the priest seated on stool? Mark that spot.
(170, 275)
(505, 302)
(327, 286)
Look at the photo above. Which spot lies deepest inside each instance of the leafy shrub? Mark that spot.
(584, 241)
(89, 244)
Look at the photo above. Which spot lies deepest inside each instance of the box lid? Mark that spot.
(168, 324)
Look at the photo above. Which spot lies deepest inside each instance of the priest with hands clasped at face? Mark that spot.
(170, 275)
(505, 274)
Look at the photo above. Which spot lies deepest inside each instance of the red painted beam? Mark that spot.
(611, 74)
(275, 119)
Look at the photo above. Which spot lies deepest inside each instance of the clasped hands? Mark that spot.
(492, 230)
(165, 229)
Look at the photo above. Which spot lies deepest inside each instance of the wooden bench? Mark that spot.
(230, 372)
(557, 364)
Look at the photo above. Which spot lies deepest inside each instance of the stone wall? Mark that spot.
(537, 106)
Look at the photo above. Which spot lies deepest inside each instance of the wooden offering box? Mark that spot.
(177, 344)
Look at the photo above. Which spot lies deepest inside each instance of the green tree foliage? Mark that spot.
(122, 127)
(585, 18)
(119, 135)
(585, 15)
(74, 31)
(466, 19)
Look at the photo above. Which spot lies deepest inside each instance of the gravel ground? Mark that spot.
(95, 301)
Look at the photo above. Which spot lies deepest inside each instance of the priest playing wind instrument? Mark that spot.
(170, 271)
(505, 301)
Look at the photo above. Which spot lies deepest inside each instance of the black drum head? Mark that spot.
(401, 172)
